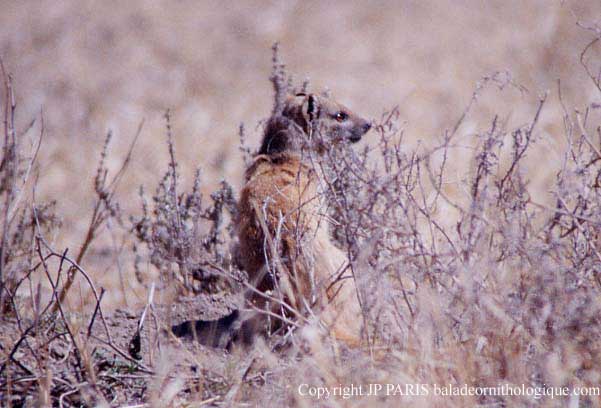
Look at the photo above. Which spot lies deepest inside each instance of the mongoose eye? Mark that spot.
(341, 116)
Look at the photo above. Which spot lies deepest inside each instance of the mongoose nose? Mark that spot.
(366, 127)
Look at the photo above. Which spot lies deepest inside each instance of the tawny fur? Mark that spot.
(281, 217)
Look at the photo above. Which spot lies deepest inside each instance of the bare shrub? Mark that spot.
(17, 223)
(184, 237)
(52, 359)
(106, 207)
(507, 296)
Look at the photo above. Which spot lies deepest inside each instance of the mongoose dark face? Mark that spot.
(312, 118)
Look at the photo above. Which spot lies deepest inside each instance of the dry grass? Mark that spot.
(471, 216)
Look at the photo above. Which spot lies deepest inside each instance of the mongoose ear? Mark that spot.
(310, 108)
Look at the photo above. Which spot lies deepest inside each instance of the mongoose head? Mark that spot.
(309, 116)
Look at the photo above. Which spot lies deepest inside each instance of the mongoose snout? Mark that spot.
(359, 132)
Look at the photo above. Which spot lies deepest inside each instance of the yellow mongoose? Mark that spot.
(284, 241)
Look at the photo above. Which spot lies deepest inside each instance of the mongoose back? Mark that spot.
(284, 241)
